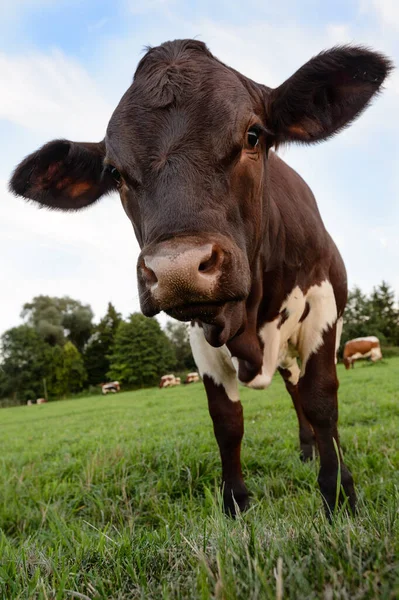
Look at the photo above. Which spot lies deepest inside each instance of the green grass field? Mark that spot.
(117, 497)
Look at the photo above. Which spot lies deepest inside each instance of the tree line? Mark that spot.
(58, 351)
(376, 313)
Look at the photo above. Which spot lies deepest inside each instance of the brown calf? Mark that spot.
(231, 236)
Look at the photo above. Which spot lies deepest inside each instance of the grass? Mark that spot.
(117, 498)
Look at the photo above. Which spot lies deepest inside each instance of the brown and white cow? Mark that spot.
(169, 381)
(363, 347)
(37, 401)
(192, 378)
(231, 237)
(111, 386)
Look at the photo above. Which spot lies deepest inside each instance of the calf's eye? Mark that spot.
(253, 138)
(113, 171)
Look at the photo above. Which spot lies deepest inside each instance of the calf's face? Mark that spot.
(187, 150)
(185, 147)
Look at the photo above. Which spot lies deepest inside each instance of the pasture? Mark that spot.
(116, 497)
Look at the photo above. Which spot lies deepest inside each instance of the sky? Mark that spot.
(64, 64)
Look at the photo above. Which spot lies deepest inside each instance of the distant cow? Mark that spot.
(363, 347)
(231, 236)
(112, 386)
(169, 381)
(192, 378)
(38, 401)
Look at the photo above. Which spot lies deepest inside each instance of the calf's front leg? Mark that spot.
(225, 408)
(228, 425)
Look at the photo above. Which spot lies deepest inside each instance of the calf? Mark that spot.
(231, 237)
(363, 347)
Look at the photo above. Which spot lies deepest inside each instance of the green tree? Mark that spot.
(69, 373)
(356, 316)
(99, 347)
(26, 361)
(59, 319)
(178, 335)
(383, 313)
(142, 352)
(375, 314)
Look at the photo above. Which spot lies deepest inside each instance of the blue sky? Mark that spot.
(64, 65)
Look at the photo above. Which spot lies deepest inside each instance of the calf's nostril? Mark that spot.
(210, 263)
(148, 275)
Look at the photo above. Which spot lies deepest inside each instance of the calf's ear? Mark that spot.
(63, 175)
(326, 94)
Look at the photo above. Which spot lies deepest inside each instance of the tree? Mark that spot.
(26, 361)
(69, 373)
(356, 316)
(178, 335)
(78, 322)
(99, 347)
(372, 315)
(384, 314)
(59, 319)
(142, 352)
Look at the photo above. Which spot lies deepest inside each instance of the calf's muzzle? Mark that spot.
(192, 277)
(179, 275)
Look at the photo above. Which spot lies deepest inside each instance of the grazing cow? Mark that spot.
(169, 381)
(192, 378)
(37, 401)
(112, 386)
(231, 237)
(363, 347)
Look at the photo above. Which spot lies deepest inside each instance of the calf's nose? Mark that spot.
(178, 274)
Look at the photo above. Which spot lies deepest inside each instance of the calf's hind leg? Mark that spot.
(318, 389)
(306, 433)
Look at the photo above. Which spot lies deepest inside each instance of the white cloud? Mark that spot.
(52, 94)
(387, 11)
(340, 33)
(90, 255)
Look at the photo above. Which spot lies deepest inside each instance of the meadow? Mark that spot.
(117, 497)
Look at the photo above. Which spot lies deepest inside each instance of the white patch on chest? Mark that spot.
(293, 338)
(214, 362)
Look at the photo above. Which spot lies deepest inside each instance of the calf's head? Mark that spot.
(187, 150)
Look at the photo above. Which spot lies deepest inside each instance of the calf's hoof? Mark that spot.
(308, 452)
(234, 497)
(332, 499)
